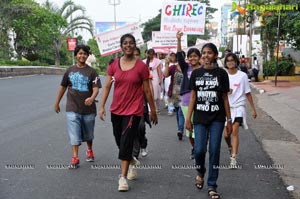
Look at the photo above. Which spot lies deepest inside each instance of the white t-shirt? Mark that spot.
(240, 86)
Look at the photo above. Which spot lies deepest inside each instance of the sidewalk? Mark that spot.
(282, 104)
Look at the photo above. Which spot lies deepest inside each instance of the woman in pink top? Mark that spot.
(131, 82)
(155, 66)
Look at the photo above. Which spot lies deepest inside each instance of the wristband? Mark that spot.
(229, 120)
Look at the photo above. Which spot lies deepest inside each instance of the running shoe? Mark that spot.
(74, 163)
(123, 185)
(90, 155)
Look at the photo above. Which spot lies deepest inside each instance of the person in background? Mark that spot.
(141, 142)
(255, 68)
(83, 85)
(239, 91)
(155, 67)
(175, 73)
(194, 60)
(209, 103)
(226, 51)
(91, 60)
(131, 83)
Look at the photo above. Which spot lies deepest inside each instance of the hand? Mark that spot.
(102, 114)
(56, 108)
(153, 117)
(229, 128)
(189, 125)
(167, 61)
(179, 35)
(254, 115)
(88, 101)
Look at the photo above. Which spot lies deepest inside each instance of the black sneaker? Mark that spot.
(192, 154)
(179, 134)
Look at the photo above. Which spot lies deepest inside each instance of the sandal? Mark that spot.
(199, 183)
(213, 194)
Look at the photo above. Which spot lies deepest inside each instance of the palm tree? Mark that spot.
(76, 19)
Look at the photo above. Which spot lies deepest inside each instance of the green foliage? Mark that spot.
(285, 67)
(21, 63)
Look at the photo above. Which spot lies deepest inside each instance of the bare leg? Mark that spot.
(124, 167)
(90, 144)
(75, 150)
(235, 138)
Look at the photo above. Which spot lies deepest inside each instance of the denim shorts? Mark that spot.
(80, 127)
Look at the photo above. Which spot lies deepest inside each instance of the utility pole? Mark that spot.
(277, 51)
(114, 3)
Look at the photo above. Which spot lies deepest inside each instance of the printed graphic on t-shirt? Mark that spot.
(79, 82)
(207, 93)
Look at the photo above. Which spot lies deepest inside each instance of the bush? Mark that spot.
(21, 63)
(285, 68)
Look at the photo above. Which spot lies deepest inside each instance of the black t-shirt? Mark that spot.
(80, 83)
(209, 86)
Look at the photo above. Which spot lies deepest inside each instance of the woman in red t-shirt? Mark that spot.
(131, 81)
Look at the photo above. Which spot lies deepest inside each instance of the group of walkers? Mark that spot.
(208, 100)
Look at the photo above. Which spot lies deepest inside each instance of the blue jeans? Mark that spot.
(213, 135)
(180, 119)
(80, 127)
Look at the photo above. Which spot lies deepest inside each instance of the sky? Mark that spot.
(127, 10)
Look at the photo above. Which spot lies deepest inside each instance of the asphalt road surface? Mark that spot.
(34, 152)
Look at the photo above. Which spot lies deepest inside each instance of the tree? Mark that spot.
(75, 16)
(35, 29)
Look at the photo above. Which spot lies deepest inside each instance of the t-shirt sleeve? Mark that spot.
(224, 81)
(96, 80)
(183, 65)
(247, 88)
(144, 71)
(110, 69)
(192, 81)
(65, 80)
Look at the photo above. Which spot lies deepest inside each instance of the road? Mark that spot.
(34, 138)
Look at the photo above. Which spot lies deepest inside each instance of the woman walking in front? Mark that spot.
(209, 102)
(131, 81)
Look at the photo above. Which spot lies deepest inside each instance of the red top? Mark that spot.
(128, 96)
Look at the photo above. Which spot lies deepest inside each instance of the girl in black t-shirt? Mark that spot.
(209, 102)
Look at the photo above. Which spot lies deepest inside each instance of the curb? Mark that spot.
(261, 91)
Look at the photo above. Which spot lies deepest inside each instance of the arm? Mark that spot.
(60, 94)
(159, 72)
(227, 111)
(150, 100)
(106, 90)
(89, 101)
(188, 122)
(250, 99)
(167, 63)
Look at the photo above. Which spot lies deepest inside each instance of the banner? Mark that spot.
(167, 40)
(185, 16)
(109, 42)
(72, 42)
(108, 26)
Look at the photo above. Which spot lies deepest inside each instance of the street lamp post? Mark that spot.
(114, 3)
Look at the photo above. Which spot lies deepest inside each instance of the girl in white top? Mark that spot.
(239, 92)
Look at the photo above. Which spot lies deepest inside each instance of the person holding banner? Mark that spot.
(210, 105)
(155, 67)
(194, 57)
(131, 82)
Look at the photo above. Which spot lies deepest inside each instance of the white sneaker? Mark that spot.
(123, 185)
(132, 172)
(144, 152)
(136, 162)
(233, 162)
